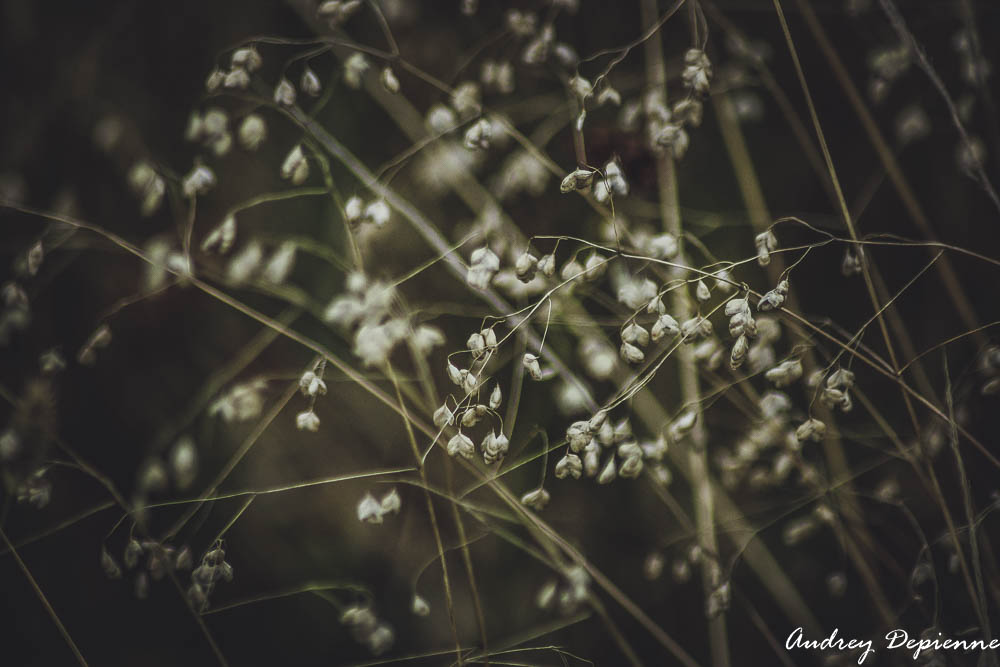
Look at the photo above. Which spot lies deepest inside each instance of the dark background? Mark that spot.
(64, 66)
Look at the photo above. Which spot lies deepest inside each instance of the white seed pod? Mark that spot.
(471, 417)
(454, 374)
(697, 74)
(737, 306)
(840, 379)
(785, 373)
(530, 363)
(309, 83)
(683, 424)
(369, 510)
(307, 421)
(465, 99)
(391, 502)
(620, 432)
(214, 80)
(496, 397)
(525, 267)
(739, 352)
(184, 462)
(631, 353)
(483, 266)
(578, 179)
(655, 306)
(663, 246)
(597, 421)
(569, 465)
(595, 266)
(635, 334)
(378, 212)
(252, 132)
(775, 298)
(461, 445)
(591, 459)
(312, 385)
(469, 381)
(536, 499)
(579, 435)
(420, 606)
(281, 263)
(630, 467)
(701, 292)
(479, 135)
(443, 417)
(295, 166)
(389, 81)
(811, 429)
(355, 68)
(608, 473)
(494, 448)
(665, 325)
(571, 270)
(284, 93)
(236, 79)
(426, 338)
(547, 265)
(222, 237)
(248, 58)
(441, 119)
(766, 243)
(198, 181)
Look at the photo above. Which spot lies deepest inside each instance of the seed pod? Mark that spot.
(496, 397)
(284, 93)
(739, 352)
(389, 80)
(494, 447)
(525, 267)
(665, 326)
(579, 435)
(635, 334)
(479, 135)
(391, 502)
(477, 345)
(632, 354)
(569, 465)
(248, 58)
(701, 292)
(630, 467)
(608, 473)
(443, 417)
(530, 363)
(811, 429)
(547, 265)
(461, 445)
(309, 83)
(536, 499)
(252, 132)
(369, 510)
(420, 606)
(578, 179)
(766, 243)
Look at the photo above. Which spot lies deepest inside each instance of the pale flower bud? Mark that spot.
(530, 363)
(307, 421)
(461, 445)
(443, 417)
(252, 132)
(309, 83)
(284, 93)
(569, 465)
(389, 80)
(496, 397)
(536, 500)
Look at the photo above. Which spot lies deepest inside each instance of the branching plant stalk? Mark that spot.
(704, 501)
